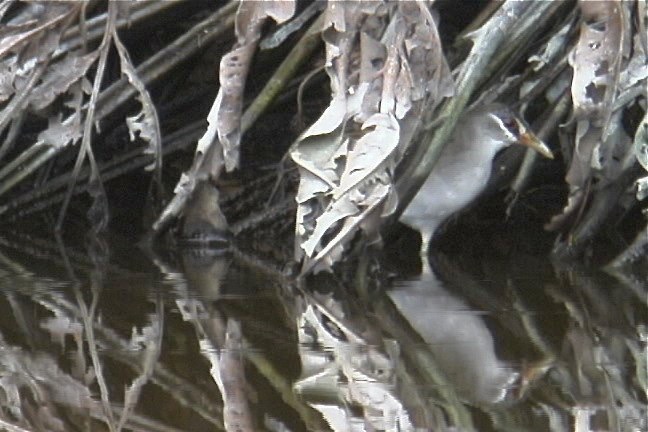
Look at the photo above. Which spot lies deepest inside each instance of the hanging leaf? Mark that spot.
(641, 143)
(145, 124)
(369, 152)
(234, 67)
(348, 155)
(59, 77)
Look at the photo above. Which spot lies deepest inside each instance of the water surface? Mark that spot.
(107, 337)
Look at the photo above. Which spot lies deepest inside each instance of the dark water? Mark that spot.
(107, 337)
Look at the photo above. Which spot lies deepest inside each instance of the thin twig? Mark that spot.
(90, 117)
(153, 68)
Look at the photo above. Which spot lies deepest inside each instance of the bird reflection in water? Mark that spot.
(457, 337)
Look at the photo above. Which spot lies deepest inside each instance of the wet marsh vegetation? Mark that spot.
(199, 207)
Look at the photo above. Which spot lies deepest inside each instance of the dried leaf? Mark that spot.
(428, 69)
(334, 248)
(145, 123)
(641, 143)
(596, 58)
(369, 152)
(6, 82)
(339, 210)
(637, 69)
(557, 42)
(289, 28)
(346, 158)
(61, 134)
(61, 326)
(234, 67)
(318, 155)
(145, 126)
(59, 77)
(14, 36)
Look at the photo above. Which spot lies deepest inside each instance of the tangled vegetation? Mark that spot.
(399, 74)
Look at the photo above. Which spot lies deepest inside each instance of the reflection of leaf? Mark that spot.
(642, 188)
(149, 341)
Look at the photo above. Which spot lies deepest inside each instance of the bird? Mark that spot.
(464, 167)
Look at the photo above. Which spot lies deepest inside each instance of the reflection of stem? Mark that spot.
(529, 324)
(85, 149)
(110, 343)
(278, 381)
(88, 318)
(152, 348)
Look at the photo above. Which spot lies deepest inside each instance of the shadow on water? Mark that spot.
(106, 337)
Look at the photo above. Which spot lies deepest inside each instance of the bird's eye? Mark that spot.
(512, 125)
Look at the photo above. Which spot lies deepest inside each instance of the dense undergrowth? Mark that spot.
(117, 110)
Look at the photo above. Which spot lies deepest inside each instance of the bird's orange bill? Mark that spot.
(529, 139)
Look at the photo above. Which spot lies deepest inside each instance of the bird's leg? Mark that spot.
(425, 246)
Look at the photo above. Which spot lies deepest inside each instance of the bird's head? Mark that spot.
(510, 129)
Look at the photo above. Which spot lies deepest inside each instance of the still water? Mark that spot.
(108, 337)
